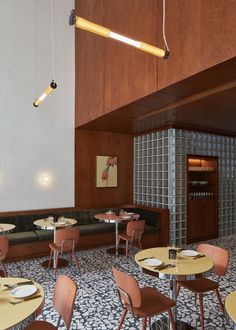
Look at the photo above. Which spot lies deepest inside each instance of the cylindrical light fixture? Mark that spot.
(47, 91)
(84, 24)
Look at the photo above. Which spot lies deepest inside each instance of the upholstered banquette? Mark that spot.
(29, 241)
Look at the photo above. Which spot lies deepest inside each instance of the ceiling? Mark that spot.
(205, 101)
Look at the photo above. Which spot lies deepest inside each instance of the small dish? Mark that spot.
(60, 223)
(23, 291)
(109, 212)
(129, 213)
(153, 262)
(189, 253)
(125, 217)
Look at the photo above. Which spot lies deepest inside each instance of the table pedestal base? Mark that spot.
(61, 263)
(113, 250)
(163, 324)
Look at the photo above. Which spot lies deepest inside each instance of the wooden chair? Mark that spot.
(63, 302)
(133, 234)
(4, 246)
(201, 285)
(141, 302)
(66, 242)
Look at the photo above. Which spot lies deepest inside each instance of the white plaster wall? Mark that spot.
(36, 141)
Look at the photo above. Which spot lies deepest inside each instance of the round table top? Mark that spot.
(184, 265)
(6, 227)
(112, 217)
(11, 315)
(230, 303)
(50, 225)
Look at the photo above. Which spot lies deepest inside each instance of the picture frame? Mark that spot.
(106, 171)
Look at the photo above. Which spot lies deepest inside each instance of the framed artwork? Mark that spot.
(106, 171)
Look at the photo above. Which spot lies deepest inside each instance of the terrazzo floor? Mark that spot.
(97, 306)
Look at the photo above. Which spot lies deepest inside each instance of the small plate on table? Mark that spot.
(129, 213)
(152, 262)
(23, 291)
(189, 253)
(60, 223)
(125, 217)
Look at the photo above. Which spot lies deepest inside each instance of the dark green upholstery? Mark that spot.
(44, 235)
(26, 231)
(23, 237)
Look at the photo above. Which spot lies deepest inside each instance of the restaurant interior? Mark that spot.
(118, 164)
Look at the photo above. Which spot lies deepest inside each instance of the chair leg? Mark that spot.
(126, 248)
(172, 321)
(50, 259)
(122, 318)
(220, 301)
(195, 299)
(75, 259)
(57, 257)
(140, 245)
(201, 310)
(4, 269)
(144, 323)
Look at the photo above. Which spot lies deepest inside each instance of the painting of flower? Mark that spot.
(106, 171)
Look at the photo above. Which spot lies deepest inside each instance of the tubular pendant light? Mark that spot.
(83, 24)
(52, 85)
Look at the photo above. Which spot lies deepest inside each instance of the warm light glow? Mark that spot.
(45, 179)
(48, 90)
(84, 24)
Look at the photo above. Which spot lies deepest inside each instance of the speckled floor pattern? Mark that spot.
(97, 306)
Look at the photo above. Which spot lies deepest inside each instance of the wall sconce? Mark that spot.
(47, 91)
(44, 179)
(83, 24)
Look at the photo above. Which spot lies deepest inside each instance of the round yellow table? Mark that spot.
(20, 314)
(230, 306)
(186, 266)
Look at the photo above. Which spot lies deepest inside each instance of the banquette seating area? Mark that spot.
(29, 241)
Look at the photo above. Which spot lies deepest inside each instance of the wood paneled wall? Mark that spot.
(200, 34)
(110, 74)
(90, 144)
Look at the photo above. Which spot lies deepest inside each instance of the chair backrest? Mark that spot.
(220, 257)
(135, 229)
(70, 236)
(64, 297)
(128, 284)
(4, 245)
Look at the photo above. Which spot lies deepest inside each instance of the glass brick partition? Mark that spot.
(160, 174)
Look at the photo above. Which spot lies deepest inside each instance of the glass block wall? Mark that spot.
(160, 173)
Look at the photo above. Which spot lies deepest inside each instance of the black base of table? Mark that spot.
(113, 251)
(163, 324)
(61, 263)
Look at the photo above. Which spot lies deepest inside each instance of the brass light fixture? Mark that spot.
(84, 24)
(52, 85)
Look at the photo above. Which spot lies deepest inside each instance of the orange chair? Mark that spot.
(141, 302)
(66, 241)
(63, 302)
(4, 245)
(133, 234)
(201, 285)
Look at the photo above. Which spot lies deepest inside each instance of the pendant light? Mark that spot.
(52, 85)
(84, 24)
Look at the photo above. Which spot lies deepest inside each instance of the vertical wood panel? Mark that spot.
(129, 73)
(88, 64)
(90, 144)
(200, 34)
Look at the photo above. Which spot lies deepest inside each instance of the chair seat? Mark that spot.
(200, 285)
(124, 236)
(56, 248)
(153, 302)
(41, 325)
